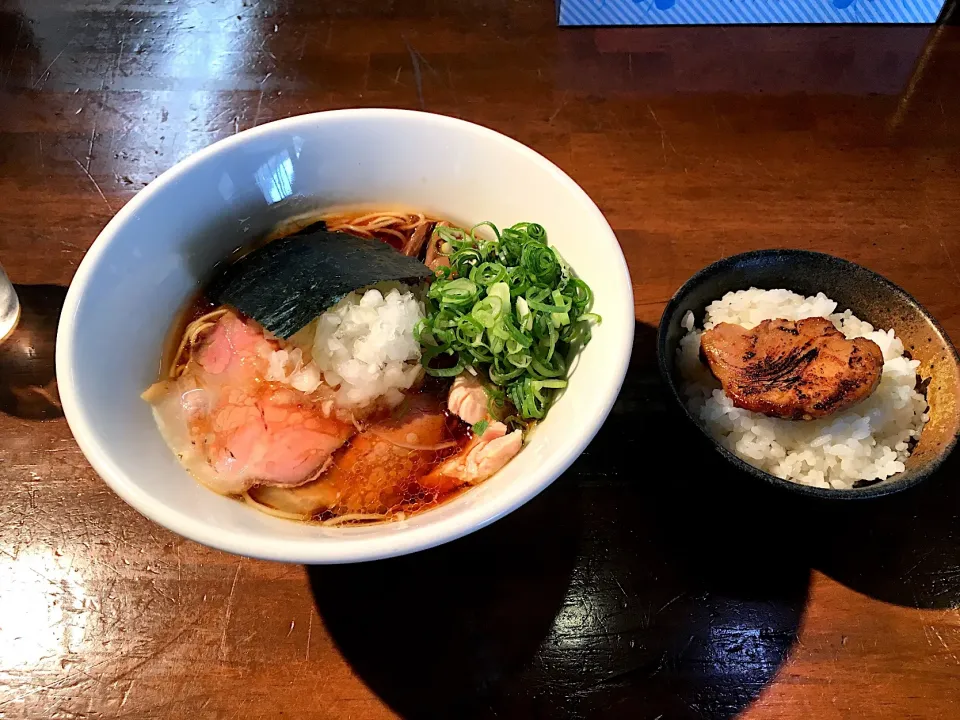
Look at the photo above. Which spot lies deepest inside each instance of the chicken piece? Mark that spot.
(231, 428)
(468, 399)
(794, 370)
(487, 452)
(481, 458)
(377, 471)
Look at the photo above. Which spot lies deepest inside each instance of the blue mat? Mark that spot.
(746, 12)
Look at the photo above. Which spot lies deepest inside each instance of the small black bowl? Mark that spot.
(872, 298)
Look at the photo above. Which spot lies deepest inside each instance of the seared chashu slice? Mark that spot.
(794, 370)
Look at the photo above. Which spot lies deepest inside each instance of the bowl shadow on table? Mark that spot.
(649, 580)
(903, 548)
(28, 381)
(17, 39)
(437, 632)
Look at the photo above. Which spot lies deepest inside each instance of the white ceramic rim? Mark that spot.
(472, 518)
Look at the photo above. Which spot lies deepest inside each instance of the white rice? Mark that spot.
(868, 441)
(363, 348)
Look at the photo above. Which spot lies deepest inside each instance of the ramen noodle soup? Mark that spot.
(364, 366)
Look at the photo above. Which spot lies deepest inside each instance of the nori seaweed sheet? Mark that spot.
(288, 282)
(311, 228)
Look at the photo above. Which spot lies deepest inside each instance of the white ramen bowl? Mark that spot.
(159, 249)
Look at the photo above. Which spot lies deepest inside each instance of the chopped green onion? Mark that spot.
(507, 305)
(488, 311)
(500, 290)
(486, 223)
(523, 314)
(444, 372)
(488, 273)
(479, 428)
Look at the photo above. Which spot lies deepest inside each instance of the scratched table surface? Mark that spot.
(637, 585)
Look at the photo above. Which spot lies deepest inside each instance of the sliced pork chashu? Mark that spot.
(794, 370)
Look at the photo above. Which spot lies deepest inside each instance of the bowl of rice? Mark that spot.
(891, 440)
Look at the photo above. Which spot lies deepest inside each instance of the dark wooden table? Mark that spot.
(623, 591)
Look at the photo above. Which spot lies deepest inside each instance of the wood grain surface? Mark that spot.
(649, 581)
